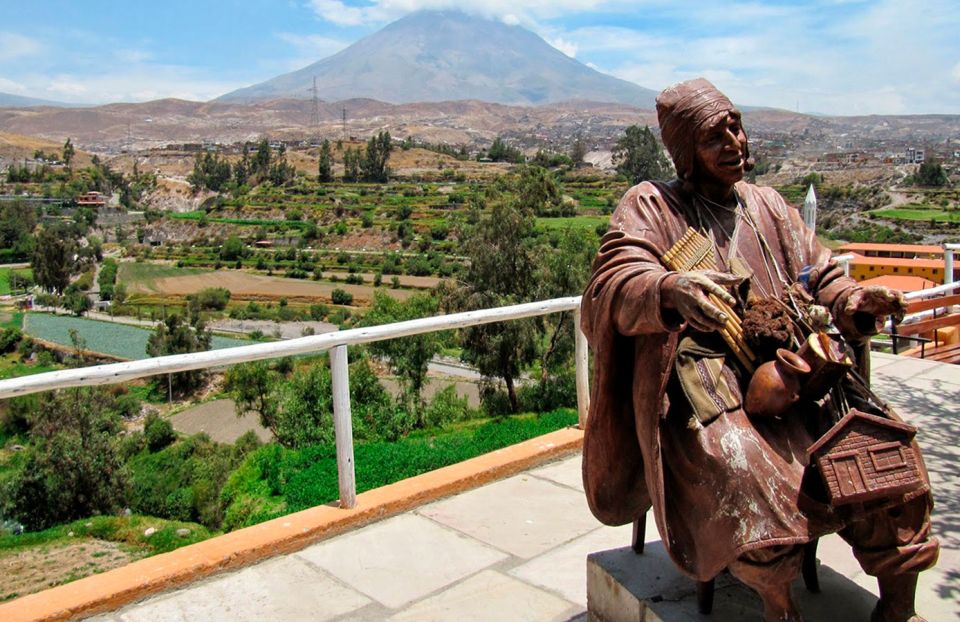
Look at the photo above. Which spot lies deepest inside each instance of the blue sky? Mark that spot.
(828, 56)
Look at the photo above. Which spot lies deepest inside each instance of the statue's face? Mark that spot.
(722, 151)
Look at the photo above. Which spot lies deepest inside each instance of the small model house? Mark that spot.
(864, 457)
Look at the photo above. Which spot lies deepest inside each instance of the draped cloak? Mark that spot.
(733, 485)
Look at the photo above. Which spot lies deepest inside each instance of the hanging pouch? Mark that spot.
(710, 386)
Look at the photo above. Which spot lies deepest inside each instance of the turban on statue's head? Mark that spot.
(682, 110)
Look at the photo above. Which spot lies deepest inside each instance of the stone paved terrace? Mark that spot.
(516, 549)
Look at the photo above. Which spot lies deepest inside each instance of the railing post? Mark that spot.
(948, 251)
(343, 426)
(581, 355)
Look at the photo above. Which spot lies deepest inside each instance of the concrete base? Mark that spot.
(625, 587)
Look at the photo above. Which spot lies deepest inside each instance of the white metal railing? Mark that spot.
(844, 260)
(336, 343)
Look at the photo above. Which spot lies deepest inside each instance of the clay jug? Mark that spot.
(775, 386)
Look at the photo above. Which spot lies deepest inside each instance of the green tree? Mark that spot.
(76, 302)
(251, 385)
(158, 432)
(325, 166)
(351, 164)
(373, 166)
(232, 249)
(638, 156)
(53, 258)
(68, 152)
(930, 174)
(503, 259)
(72, 467)
(17, 222)
(538, 191)
(409, 356)
(174, 336)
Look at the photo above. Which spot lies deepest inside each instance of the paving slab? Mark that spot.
(401, 559)
(522, 515)
(285, 588)
(567, 472)
(489, 595)
(562, 570)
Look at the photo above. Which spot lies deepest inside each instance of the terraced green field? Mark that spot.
(6, 280)
(118, 340)
(919, 211)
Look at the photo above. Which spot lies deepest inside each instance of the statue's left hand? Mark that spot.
(877, 301)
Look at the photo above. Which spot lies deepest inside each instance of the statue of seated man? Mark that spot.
(732, 491)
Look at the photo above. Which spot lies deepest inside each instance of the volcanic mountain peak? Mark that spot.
(433, 56)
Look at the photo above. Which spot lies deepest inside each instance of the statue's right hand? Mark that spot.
(688, 294)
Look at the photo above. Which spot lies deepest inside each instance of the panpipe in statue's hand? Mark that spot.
(695, 252)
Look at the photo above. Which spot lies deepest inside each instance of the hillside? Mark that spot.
(433, 56)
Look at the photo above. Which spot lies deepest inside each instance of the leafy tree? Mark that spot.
(325, 166)
(260, 165)
(578, 151)
(251, 386)
(930, 174)
(53, 261)
(72, 467)
(76, 302)
(174, 336)
(351, 164)
(502, 271)
(638, 155)
(409, 356)
(500, 151)
(373, 166)
(232, 249)
(17, 222)
(68, 152)
(210, 171)
(538, 191)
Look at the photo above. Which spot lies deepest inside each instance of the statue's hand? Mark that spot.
(688, 294)
(878, 301)
(865, 309)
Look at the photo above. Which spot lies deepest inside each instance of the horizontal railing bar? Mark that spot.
(933, 291)
(122, 372)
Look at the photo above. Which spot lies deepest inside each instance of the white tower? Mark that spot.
(810, 209)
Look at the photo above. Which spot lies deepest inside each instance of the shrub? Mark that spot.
(9, 339)
(158, 432)
(341, 297)
(211, 298)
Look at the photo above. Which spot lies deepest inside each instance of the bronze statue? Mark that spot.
(667, 427)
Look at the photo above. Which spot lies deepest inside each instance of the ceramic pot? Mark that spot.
(775, 386)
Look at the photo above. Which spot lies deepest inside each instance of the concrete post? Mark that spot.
(581, 354)
(343, 426)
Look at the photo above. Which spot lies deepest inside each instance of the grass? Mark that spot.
(5, 274)
(919, 211)
(590, 223)
(11, 319)
(12, 367)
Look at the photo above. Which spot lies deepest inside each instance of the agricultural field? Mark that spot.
(921, 212)
(116, 340)
(248, 286)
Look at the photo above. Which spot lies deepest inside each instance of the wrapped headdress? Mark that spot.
(682, 110)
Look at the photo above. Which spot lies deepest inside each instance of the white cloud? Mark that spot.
(9, 86)
(312, 47)
(14, 45)
(508, 11)
(956, 73)
(567, 47)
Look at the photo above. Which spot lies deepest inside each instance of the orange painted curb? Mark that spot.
(115, 588)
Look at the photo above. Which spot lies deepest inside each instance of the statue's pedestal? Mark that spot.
(625, 587)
